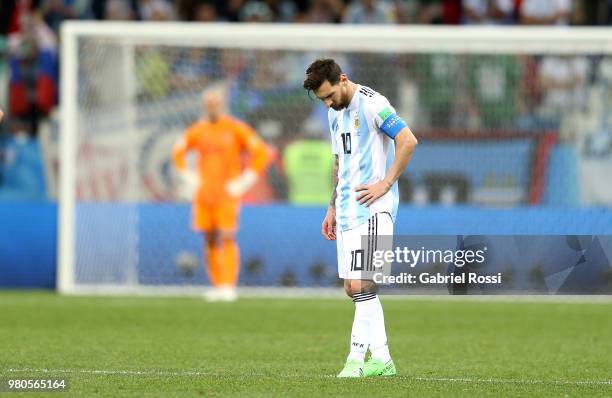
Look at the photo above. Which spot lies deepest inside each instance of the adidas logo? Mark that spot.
(386, 368)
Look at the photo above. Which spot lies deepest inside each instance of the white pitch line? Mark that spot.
(114, 372)
(197, 373)
(516, 381)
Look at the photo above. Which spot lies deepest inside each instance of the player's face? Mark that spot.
(333, 96)
(213, 106)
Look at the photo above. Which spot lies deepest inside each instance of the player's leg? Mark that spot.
(350, 262)
(202, 221)
(214, 268)
(210, 238)
(380, 362)
(362, 292)
(227, 256)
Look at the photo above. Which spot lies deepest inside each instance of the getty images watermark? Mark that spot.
(378, 255)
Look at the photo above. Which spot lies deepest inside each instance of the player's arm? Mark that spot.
(405, 143)
(189, 178)
(328, 228)
(258, 153)
(179, 153)
(1, 115)
(259, 158)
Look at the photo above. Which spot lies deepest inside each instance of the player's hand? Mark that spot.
(189, 185)
(368, 194)
(1, 115)
(328, 228)
(238, 186)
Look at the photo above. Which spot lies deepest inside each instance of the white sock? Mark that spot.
(378, 334)
(365, 307)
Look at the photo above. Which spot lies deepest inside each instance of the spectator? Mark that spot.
(120, 10)
(309, 163)
(255, 11)
(13, 13)
(369, 12)
(439, 12)
(438, 87)
(193, 70)
(205, 12)
(21, 169)
(530, 94)
(324, 11)
(153, 73)
(33, 65)
(487, 11)
(494, 83)
(155, 10)
(56, 11)
(283, 10)
(545, 12)
(562, 82)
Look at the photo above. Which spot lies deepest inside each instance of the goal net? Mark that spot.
(504, 117)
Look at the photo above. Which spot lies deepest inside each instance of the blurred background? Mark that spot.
(508, 143)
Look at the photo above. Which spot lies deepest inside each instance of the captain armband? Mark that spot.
(392, 125)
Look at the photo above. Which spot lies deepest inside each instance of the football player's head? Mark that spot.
(213, 102)
(326, 80)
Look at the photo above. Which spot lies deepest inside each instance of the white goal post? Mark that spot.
(81, 40)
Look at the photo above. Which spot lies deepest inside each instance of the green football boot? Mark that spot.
(375, 367)
(352, 368)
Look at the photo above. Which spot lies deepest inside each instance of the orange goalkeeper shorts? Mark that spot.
(219, 216)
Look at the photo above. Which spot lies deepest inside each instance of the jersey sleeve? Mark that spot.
(385, 118)
(333, 126)
(182, 146)
(252, 144)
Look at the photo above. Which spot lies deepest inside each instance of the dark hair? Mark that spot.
(321, 70)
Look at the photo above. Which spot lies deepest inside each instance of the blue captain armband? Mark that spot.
(392, 125)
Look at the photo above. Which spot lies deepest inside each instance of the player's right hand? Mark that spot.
(190, 183)
(328, 228)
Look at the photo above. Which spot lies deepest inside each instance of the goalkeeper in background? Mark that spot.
(220, 142)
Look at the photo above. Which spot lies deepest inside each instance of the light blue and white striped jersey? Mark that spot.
(365, 154)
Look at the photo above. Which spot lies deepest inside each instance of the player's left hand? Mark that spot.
(368, 194)
(238, 186)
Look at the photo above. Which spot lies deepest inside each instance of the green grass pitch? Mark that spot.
(171, 347)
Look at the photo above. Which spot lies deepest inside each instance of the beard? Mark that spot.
(344, 102)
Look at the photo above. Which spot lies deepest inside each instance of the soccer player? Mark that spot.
(220, 142)
(372, 146)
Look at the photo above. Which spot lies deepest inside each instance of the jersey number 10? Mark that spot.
(346, 142)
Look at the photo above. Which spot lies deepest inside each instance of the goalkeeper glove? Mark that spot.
(238, 186)
(189, 185)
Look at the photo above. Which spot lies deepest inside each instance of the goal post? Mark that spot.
(67, 154)
(127, 92)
